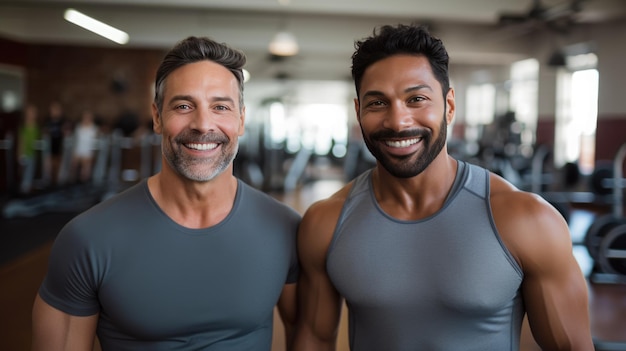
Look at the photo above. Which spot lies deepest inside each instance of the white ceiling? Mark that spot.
(325, 29)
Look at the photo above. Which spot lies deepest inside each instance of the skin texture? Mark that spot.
(399, 100)
(200, 124)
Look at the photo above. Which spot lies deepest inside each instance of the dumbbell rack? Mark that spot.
(607, 251)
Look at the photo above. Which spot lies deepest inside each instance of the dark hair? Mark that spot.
(194, 49)
(401, 39)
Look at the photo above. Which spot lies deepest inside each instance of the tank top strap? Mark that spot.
(476, 180)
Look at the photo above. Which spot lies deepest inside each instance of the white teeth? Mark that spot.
(403, 143)
(202, 147)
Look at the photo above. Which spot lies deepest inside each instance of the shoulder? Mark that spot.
(264, 202)
(329, 206)
(518, 205)
(319, 220)
(529, 226)
(112, 210)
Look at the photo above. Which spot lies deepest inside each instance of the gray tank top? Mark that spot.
(446, 282)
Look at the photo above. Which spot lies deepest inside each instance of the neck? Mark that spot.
(194, 204)
(419, 196)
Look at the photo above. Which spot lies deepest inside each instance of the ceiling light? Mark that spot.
(96, 26)
(246, 75)
(557, 59)
(284, 44)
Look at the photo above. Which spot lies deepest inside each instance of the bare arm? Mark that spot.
(287, 307)
(54, 330)
(319, 304)
(554, 288)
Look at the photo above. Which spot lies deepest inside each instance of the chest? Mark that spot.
(198, 284)
(453, 261)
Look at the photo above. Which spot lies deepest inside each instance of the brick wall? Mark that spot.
(107, 81)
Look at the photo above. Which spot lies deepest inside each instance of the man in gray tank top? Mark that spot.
(431, 253)
(189, 259)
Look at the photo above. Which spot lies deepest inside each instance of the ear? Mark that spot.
(450, 106)
(242, 121)
(357, 109)
(157, 125)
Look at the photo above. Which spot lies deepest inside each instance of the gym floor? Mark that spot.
(25, 245)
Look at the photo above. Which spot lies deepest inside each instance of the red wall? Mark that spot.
(80, 78)
(610, 135)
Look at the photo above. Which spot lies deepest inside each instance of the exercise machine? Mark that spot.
(606, 237)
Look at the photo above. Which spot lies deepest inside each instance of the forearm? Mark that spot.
(290, 332)
(306, 340)
(287, 310)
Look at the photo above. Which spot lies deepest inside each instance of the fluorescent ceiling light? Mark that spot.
(96, 26)
(284, 44)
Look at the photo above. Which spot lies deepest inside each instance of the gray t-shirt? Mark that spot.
(446, 282)
(160, 286)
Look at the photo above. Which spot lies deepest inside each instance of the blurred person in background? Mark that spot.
(56, 127)
(29, 135)
(85, 139)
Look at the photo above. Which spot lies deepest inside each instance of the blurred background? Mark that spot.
(539, 89)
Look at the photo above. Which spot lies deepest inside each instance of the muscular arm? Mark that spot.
(319, 304)
(554, 288)
(54, 330)
(287, 307)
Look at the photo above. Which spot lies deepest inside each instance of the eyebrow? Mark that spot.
(180, 97)
(377, 93)
(223, 98)
(418, 87)
(191, 98)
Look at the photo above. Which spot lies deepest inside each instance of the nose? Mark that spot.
(202, 120)
(398, 117)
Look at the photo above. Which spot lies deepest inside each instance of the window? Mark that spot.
(577, 112)
(524, 93)
(480, 110)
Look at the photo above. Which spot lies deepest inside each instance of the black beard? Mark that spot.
(403, 167)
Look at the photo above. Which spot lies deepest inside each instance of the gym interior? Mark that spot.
(540, 102)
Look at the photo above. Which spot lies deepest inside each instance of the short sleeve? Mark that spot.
(70, 283)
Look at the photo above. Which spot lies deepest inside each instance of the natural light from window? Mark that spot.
(577, 113)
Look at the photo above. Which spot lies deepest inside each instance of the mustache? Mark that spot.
(410, 133)
(187, 137)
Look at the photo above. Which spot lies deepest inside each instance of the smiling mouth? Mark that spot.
(402, 143)
(201, 147)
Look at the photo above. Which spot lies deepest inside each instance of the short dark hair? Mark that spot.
(401, 39)
(195, 49)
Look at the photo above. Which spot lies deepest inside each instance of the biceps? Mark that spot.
(557, 308)
(287, 304)
(319, 305)
(54, 330)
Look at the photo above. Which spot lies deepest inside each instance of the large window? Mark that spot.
(480, 104)
(577, 112)
(480, 110)
(524, 93)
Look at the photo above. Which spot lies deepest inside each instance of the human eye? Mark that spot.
(182, 107)
(375, 103)
(222, 107)
(417, 99)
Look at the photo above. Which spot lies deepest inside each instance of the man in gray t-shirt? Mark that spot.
(190, 258)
